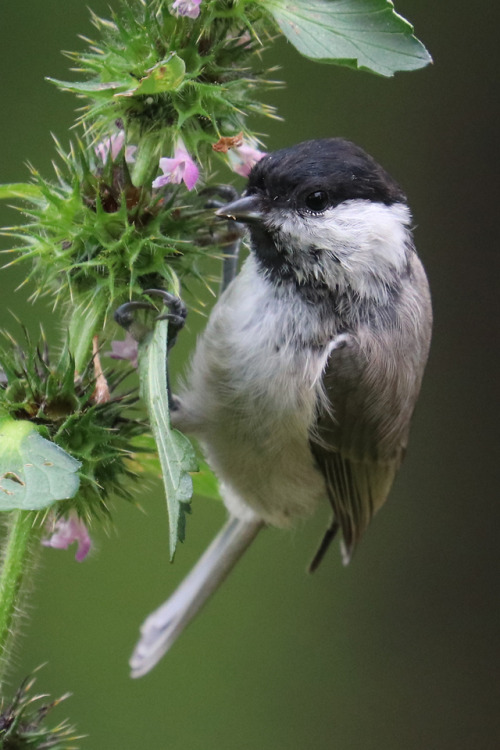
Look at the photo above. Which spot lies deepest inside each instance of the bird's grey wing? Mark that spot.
(370, 385)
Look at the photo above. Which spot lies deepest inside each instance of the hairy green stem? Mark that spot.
(16, 564)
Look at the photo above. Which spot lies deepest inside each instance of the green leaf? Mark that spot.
(176, 453)
(364, 34)
(167, 75)
(34, 472)
(93, 88)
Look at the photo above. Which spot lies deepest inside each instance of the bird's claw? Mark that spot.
(124, 315)
(176, 314)
(177, 310)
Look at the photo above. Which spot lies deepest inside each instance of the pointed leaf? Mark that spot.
(176, 453)
(165, 76)
(364, 34)
(91, 88)
(26, 190)
(34, 472)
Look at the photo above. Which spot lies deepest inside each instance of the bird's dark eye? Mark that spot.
(317, 201)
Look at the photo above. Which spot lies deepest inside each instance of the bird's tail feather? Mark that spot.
(165, 624)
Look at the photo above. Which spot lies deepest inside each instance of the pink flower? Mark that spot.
(244, 157)
(130, 154)
(114, 144)
(125, 349)
(65, 531)
(179, 169)
(190, 8)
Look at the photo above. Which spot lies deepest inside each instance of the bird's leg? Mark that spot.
(176, 315)
(233, 236)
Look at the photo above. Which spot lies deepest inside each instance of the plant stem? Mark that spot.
(16, 564)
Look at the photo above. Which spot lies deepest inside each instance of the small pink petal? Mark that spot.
(180, 168)
(168, 165)
(117, 141)
(161, 181)
(126, 349)
(190, 8)
(247, 157)
(65, 531)
(113, 145)
(130, 154)
(191, 174)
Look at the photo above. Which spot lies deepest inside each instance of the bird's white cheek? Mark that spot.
(358, 244)
(366, 235)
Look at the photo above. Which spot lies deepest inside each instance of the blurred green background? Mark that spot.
(400, 650)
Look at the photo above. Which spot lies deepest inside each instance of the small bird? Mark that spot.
(303, 384)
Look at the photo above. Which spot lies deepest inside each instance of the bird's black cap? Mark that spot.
(334, 165)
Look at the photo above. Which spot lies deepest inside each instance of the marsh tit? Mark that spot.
(303, 384)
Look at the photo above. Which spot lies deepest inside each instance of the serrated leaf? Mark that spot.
(167, 75)
(177, 457)
(34, 472)
(364, 34)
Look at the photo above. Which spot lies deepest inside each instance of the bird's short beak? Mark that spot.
(245, 210)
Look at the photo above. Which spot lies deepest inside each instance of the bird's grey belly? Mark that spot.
(253, 423)
(251, 399)
(269, 468)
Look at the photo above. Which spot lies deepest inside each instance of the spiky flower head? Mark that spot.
(103, 434)
(168, 75)
(22, 722)
(95, 240)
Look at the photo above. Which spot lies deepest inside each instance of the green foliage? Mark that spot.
(364, 34)
(167, 77)
(22, 723)
(63, 407)
(92, 236)
(34, 473)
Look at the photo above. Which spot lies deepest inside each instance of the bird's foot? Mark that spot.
(176, 313)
